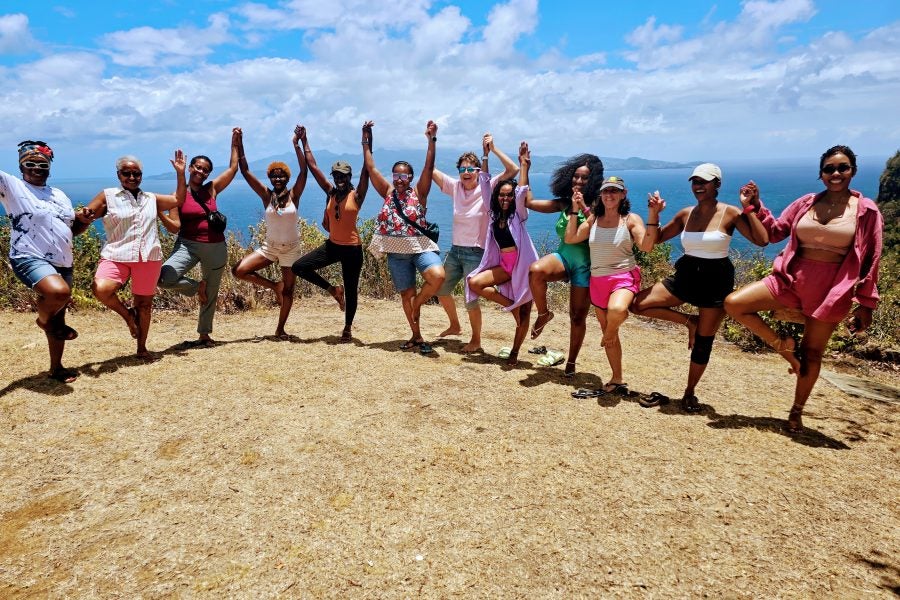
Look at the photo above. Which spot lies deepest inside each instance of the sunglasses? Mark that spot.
(131, 174)
(467, 169)
(402, 176)
(841, 168)
(40, 166)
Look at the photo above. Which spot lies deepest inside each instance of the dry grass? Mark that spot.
(309, 469)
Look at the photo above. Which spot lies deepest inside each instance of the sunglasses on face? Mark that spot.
(131, 174)
(40, 166)
(402, 176)
(841, 168)
(467, 169)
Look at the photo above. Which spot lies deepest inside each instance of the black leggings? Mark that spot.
(351, 259)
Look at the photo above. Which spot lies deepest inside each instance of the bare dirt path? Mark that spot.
(304, 468)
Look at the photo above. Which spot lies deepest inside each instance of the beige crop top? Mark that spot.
(835, 236)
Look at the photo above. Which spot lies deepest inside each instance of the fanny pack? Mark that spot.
(432, 231)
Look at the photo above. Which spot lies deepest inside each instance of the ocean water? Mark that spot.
(780, 183)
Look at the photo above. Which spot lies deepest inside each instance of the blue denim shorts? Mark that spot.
(30, 270)
(403, 267)
(459, 262)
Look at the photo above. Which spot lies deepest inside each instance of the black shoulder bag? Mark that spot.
(217, 221)
(432, 231)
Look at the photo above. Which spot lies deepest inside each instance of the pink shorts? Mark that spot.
(812, 283)
(144, 275)
(603, 286)
(508, 260)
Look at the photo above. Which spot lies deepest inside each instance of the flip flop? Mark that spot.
(504, 352)
(691, 404)
(538, 350)
(425, 348)
(551, 359)
(655, 399)
(60, 332)
(581, 393)
(619, 389)
(63, 375)
(410, 344)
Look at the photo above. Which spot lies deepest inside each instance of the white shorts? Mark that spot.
(285, 254)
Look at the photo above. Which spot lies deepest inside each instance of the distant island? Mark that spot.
(447, 161)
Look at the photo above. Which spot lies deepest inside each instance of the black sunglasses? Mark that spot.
(841, 168)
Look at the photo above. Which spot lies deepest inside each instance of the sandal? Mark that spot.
(537, 329)
(504, 352)
(787, 348)
(570, 369)
(538, 350)
(691, 404)
(63, 375)
(410, 344)
(61, 332)
(551, 359)
(425, 348)
(582, 393)
(346, 336)
(795, 420)
(655, 399)
(619, 389)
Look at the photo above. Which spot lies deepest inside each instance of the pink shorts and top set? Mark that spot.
(823, 290)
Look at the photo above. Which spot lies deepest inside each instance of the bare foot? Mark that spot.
(795, 420)
(513, 359)
(786, 347)
(691, 324)
(540, 323)
(471, 347)
(201, 293)
(146, 356)
(450, 331)
(338, 294)
(609, 339)
(133, 323)
(279, 290)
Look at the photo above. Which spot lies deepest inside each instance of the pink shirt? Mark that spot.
(858, 273)
(470, 219)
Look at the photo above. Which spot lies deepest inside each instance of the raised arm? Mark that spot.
(510, 169)
(382, 185)
(748, 222)
(300, 184)
(255, 184)
(574, 232)
(221, 182)
(653, 230)
(522, 189)
(317, 173)
(484, 176)
(168, 201)
(670, 229)
(424, 184)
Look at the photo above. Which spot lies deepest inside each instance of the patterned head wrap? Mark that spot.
(31, 149)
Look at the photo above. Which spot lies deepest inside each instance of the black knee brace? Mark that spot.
(702, 349)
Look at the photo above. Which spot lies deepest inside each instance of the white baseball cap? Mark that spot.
(707, 172)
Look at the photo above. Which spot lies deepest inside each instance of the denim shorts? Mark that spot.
(403, 267)
(459, 262)
(30, 270)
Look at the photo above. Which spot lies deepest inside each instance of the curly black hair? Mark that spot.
(561, 181)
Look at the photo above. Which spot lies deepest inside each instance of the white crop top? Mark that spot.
(706, 244)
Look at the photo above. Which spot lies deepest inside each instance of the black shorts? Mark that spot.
(703, 282)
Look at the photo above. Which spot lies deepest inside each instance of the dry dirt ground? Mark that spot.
(304, 468)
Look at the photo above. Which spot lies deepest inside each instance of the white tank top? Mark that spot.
(706, 244)
(612, 249)
(281, 224)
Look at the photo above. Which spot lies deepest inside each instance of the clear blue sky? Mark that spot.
(658, 79)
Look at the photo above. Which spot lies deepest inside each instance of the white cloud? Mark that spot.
(150, 47)
(15, 37)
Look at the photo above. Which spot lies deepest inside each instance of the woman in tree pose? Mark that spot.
(570, 262)
(704, 275)
(831, 261)
(502, 276)
(198, 243)
(342, 206)
(400, 233)
(132, 250)
(612, 231)
(282, 244)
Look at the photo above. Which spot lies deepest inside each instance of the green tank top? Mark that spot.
(575, 254)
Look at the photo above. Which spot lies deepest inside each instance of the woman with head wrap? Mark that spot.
(40, 251)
